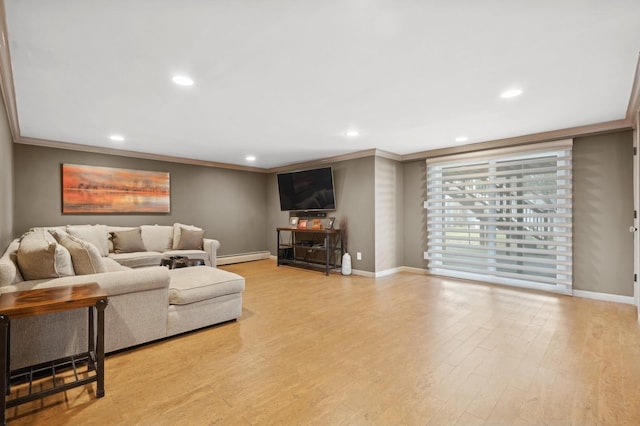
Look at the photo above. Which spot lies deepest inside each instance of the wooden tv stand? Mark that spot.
(302, 247)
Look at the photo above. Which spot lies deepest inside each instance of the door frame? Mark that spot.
(636, 208)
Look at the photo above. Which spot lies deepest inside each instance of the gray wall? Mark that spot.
(602, 213)
(414, 235)
(228, 204)
(6, 181)
(354, 187)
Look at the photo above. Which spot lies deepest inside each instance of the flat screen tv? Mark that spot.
(307, 190)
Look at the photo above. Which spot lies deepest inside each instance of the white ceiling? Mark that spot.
(283, 80)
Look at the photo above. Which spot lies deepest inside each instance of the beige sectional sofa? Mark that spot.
(146, 301)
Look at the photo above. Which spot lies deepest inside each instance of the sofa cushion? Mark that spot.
(127, 241)
(197, 283)
(137, 259)
(112, 266)
(177, 231)
(85, 256)
(157, 237)
(190, 239)
(39, 256)
(97, 235)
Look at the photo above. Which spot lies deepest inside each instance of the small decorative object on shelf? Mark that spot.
(293, 221)
(302, 224)
(330, 222)
(316, 224)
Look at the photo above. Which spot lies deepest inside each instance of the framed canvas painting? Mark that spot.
(99, 190)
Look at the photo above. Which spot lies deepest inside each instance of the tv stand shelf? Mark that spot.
(318, 249)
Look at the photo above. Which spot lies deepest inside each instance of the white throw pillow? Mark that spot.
(98, 235)
(157, 237)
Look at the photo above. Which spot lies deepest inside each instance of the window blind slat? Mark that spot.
(499, 241)
(465, 225)
(505, 267)
(439, 254)
(485, 249)
(431, 194)
(533, 180)
(539, 170)
(531, 197)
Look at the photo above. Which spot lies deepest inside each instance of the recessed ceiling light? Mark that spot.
(511, 93)
(116, 138)
(352, 133)
(250, 158)
(182, 80)
(462, 139)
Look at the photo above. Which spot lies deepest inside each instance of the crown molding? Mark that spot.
(134, 154)
(572, 132)
(343, 157)
(6, 76)
(634, 99)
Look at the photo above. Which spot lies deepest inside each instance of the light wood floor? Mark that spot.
(404, 349)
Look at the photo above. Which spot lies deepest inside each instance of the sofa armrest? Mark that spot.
(211, 247)
(114, 283)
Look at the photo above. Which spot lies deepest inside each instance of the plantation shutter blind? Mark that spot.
(503, 215)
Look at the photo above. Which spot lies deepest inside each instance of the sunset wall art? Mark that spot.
(92, 189)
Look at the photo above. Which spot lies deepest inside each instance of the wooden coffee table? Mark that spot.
(29, 303)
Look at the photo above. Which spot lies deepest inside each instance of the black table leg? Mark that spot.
(327, 242)
(100, 305)
(92, 339)
(5, 354)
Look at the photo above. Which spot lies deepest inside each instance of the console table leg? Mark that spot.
(327, 247)
(5, 354)
(92, 338)
(100, 348)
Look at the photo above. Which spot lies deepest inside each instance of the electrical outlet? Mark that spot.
(358, 256)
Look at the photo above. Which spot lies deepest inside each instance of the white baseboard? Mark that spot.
(388, 272)
(245, 257)
(629, 300)
(362, 273)
(413, 270)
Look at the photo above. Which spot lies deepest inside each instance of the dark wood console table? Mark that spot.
(22, 304)
(301, 243)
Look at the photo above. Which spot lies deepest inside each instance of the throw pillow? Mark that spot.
(190, 239)
(127, 241)
(157, 237)
(9, 272)
(97, 235)
(39, 257)
(177, 230)
(85, 256)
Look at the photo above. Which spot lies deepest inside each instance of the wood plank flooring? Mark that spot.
(403, 349)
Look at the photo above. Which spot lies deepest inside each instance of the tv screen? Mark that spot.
(307, 190)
